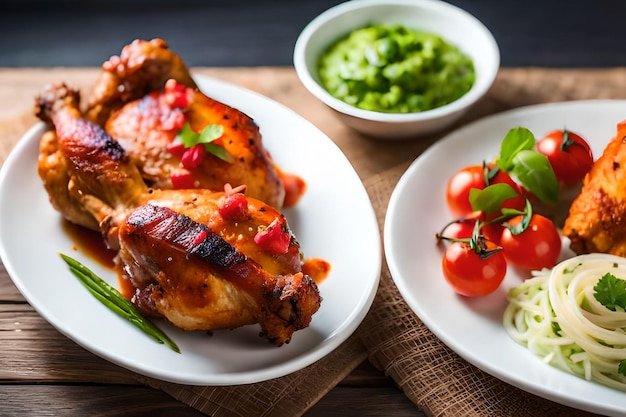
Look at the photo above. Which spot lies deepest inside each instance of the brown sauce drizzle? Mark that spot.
(91, 244)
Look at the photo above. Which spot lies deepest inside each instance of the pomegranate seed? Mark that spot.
(193, 157)
(176, 94)
(176, 149)
(273, 238)
(234, 206)
(182, 179)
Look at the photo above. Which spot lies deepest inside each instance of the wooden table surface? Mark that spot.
(43, 373)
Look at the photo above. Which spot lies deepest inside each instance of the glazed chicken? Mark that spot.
(146, 95)
(202, 259)
(597, 216)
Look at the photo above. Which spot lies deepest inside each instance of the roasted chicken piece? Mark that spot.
(144, 98)
(204, 260)
(147, 129)
(202, 271)
(597, 216)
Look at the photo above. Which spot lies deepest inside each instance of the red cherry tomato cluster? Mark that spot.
(495, 226)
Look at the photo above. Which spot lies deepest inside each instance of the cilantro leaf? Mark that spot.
(610, 291)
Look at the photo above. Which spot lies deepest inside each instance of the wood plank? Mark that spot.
(8, 290)
(139, 401)
(33, 350)
(88, 401)
(361, 401)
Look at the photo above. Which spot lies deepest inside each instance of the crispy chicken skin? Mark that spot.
(597, 216)
(64, 150)
(204, 260)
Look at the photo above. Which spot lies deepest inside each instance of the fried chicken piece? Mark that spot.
(597, 216)
(201, 259)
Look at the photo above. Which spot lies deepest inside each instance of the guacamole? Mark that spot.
(393, 69)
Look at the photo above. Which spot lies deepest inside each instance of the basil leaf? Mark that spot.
(533, 171)
(516, 140)
(489, 200)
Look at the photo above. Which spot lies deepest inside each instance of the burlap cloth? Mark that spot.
(392, 337)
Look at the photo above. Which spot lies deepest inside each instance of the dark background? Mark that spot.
(549, 33)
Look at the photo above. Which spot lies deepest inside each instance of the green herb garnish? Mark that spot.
(490, 199)
(528, 167)
(208, 135)
(621, 368)
(610, 291)
(116, 302)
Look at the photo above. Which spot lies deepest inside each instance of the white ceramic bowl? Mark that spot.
(453, 24)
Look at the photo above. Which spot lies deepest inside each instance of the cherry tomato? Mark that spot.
(569, 154)
(473, 176)
(518, 202)
(468, 273)
(536, 247)
(493, 232)
(459, 186)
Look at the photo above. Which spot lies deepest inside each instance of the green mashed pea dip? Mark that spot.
(393, 69)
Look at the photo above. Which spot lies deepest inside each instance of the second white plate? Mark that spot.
(472, 327)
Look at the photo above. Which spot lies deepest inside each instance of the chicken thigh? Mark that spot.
(202, 259)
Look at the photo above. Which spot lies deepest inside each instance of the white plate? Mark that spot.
(334, 220)
(472, 327)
